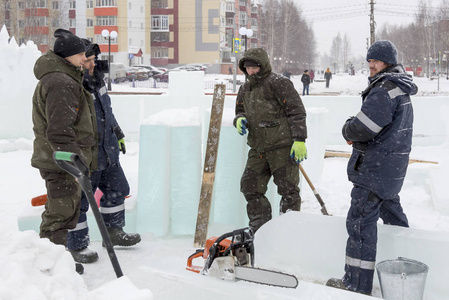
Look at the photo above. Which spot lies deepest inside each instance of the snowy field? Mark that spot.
(157, 265)
(33, 268)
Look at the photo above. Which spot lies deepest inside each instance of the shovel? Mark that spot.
(72, 164)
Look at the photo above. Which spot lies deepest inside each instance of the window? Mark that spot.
(130, 26)
(160, 37)
(106, 20)
(72, 23)
(141, 26)
(230, 7)
(90, 3)
(99, 39)
(159, 52)
(21, 23)
(39, 21)
(130, 6)
(55, 22)
(159, 23)
(55, 4)
(229, 22)
(106, 3)
(90, 23)
(41, 3)
(72, 4)
(159, 3)
(254, 22)
(130, 41)
(21, 5)
(243, 20)
(90, 39)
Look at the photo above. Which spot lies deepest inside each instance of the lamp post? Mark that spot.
(247, 33)
(106, 34)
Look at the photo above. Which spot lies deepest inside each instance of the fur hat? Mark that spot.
(384, 51)
(67, 44)
(250, 63)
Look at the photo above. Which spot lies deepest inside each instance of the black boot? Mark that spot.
(338, 284)
(121, 238)
(79, 268)
(84, 255)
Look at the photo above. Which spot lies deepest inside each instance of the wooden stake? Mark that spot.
(210, 162)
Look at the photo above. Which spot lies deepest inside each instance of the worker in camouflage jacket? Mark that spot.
(63, 120)
(381, 138)
(270, 109)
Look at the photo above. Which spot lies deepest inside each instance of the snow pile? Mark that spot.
(34, 268)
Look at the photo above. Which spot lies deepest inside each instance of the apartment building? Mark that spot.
(157, 32)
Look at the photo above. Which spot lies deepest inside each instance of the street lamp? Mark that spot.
(247, 33)
(106, 34)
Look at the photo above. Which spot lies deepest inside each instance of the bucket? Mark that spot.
(402, 279)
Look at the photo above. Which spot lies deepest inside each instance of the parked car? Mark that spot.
(133, 73)
(186, 68)
(118, 72)
(161, 77)
(201, 67)
(152, 70)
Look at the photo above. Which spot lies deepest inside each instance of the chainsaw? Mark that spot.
(231, 257)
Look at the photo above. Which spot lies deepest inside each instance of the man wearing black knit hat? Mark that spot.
(381, 138)
(64, 120)
(270, 109)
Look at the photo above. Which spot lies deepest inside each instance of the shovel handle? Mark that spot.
(77, 169)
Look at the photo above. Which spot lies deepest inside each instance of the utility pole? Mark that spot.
(372, 24)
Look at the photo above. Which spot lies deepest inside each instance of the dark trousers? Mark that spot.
(361, 224)
(112, 182)
(305, 89)
(62, 208)
(258, 171)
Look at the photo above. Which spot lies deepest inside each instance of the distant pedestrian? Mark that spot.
(305, 79)
(328, 77)
(312, 76)
(230, 71)
(287, 74)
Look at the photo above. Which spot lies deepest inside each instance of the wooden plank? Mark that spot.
(347, 154)
(210, 162)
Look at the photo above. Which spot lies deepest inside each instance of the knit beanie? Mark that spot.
(67, 44)
(384, 51)
(91, 49)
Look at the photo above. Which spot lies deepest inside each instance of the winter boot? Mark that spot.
(338, 284)
(84, 255)
(79, 268)
(121, 238)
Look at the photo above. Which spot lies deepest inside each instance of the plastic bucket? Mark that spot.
(402, 279)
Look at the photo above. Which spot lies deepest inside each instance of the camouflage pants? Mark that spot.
(62, 208)
(258, 171)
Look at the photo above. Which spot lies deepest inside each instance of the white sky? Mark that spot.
(330, 17)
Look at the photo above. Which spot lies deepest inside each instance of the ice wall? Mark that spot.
(17, 83)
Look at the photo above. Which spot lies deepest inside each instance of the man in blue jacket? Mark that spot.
(109, 176)
(381, 137)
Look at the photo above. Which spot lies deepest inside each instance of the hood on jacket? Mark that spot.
(397, 75)
(50, 62)
(259, 56)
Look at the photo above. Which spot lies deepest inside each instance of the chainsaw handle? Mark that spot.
(190, 266)
(76, 168)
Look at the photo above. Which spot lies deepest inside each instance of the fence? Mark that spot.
(153, 84)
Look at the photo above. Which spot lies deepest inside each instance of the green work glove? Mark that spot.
(241, 125)
(299, 151)
(121, 145)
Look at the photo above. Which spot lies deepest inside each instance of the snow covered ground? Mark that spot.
(33, 268)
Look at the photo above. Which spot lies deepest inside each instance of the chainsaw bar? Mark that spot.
(267, 277)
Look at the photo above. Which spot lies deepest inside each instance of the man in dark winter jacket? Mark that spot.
(381, 137)
(270, 109)
(109, 176)
(63, 120)
(305, 79)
